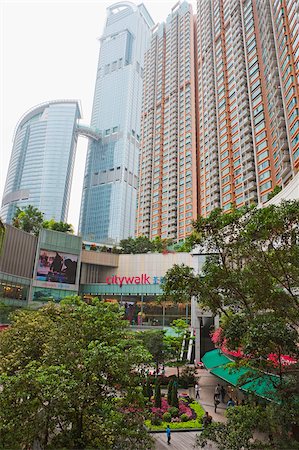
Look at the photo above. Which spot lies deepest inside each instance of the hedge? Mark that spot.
(190, 424)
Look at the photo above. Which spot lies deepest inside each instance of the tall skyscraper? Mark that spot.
(42, 160)
(108, 207)
(242, 121)
(285, 19)
(252, 154)
(167, 197)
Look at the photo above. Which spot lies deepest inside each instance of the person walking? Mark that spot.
(222, 392)
(217, 389)
(216, 402)
(196, 388)
(168, 434)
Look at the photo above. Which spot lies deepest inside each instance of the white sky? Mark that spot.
(48, 51)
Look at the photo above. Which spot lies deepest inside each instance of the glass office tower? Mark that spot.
(108, 205)
(42, 160)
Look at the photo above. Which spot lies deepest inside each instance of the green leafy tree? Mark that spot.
(157, 394)
(28, 219)
(174, 395)
(242, 423)
(275, 191)
(174, 343)
(154, 342)
(169, 390)
(67, 377)
(251, 278)
(63, 227)
(149, 389)
(142, 244)
(180, 284)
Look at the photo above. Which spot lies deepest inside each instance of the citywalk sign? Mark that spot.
(141, 279)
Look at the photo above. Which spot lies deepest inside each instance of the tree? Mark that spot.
(68, 379)
(242, 423)
(174, 342)
(153, 341)
(275, 191)
(28, 219)
(149, 389)
(180, 284)
(174, 394)
(157, 394)
(63, 227)
(169, 390)
(251, 278)
(142, 244)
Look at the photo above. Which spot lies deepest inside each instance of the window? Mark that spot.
(264, 175)
(262, 155)
(266, 185)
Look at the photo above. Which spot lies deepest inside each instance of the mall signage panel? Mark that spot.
(139, 279)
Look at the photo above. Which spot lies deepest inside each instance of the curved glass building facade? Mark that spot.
(109, 194)
(42, 160)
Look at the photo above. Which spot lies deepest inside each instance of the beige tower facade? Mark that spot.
(226, 119)
(167, 197)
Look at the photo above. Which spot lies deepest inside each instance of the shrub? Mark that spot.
(174, 395)
(184, 418)
(170, 384)
(188, 377)
(174, 412)
(166, 417)
(156, 420)
(157, 394)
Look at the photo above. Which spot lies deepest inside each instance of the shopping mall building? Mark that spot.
(35, 270)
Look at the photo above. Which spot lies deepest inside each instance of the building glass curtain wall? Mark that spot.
(41, 164)
(108, 205)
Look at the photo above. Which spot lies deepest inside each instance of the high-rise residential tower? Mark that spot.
(42, 160)
(285, 19)
(167, 196)
(109, 195)
(226, 120)
(247, 95)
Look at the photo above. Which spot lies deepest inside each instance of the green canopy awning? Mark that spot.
(229, 374)
(261, 384)
(215, 358)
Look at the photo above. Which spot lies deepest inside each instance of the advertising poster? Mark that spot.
(56, 267)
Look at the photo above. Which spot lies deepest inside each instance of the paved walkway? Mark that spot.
(186, 440)
(179, 441)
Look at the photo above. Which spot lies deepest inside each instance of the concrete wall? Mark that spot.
(18, 252)
(290, 192)
(151, 264)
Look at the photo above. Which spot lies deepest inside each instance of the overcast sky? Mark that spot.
(48, 51)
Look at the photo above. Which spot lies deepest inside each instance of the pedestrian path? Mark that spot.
(184, 440)
(207, 383)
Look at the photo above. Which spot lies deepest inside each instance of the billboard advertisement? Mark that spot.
(56, 267)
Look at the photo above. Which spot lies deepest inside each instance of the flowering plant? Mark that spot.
(184, 408)
(221, 342)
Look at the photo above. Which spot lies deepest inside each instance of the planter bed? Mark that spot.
(194, 424)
